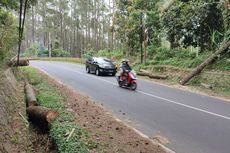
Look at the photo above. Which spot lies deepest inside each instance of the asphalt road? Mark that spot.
(193, 123)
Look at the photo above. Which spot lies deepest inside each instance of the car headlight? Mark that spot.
(102, 66)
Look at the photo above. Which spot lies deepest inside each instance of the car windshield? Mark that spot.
(104, 61)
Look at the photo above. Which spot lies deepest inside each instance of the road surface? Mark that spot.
(193, 123)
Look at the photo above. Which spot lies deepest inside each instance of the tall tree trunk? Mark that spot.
(61, 30)
(103, 36)
(109, 26)
(95, 25)
(98, 27)
(89, 24)
(21, 26)
(112, 41)
(33, 24)
(74, 42)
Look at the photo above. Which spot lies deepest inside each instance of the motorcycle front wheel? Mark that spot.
(133, 86)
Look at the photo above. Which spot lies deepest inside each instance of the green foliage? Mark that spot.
(115, 54)
(59, 53)
(43, 53)
(88, 54)
(8, 34)
(50, 97)
(226, 17)
(175, 57)
(195, 23)
(32, 51)
(9, 4)
(128, 23)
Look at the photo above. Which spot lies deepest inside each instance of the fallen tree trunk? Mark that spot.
(143, 73)
(31, 99)
(22, 62)
(163, 77)
(41, 114)
(208, 61)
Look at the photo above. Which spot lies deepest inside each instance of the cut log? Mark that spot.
(22, 62)
(163, 77)
(143, 73)
(30, 95)
(208, 61)
(41, 114)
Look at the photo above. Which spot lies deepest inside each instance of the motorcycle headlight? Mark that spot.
(134, 73)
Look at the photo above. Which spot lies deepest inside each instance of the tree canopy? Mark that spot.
(195, 23)
(84, 26)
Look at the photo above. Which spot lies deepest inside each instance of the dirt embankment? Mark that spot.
(13, 128)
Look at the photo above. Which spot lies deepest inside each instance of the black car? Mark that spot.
(100, 65)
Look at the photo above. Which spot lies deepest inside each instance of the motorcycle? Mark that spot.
(129, 80)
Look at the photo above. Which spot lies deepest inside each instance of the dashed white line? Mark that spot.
(154, 96)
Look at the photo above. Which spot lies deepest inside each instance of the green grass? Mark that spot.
(62, 59)
(50, 97)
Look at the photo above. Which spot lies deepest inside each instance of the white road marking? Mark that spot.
(187, 106)
(154, 96)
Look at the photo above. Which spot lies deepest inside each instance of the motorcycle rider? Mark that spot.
(124, 69)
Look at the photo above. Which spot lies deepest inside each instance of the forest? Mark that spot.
(180, 33)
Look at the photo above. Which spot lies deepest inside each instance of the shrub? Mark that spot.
(32, 51)
(114, 54)
(59, 53)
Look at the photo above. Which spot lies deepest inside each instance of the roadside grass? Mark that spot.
(219, 83)
(59, 130)
(62, 59)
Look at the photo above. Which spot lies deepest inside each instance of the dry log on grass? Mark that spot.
(152, 76)
(41, 114)
(163, 77)
(30, 95)
(143, 73)
(22, 62)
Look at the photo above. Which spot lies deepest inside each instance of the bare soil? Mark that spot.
(111, 135)
(13, 128)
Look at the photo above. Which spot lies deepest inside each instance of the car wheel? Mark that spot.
(87, 70)
(98, 72)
